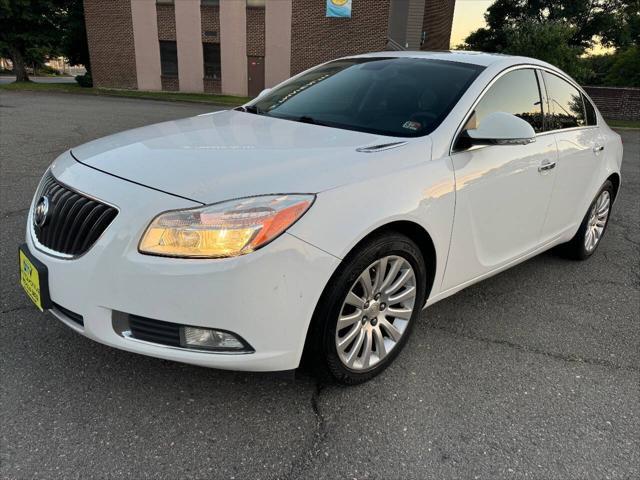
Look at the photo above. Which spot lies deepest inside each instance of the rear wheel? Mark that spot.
(593, 226)
(369, 308)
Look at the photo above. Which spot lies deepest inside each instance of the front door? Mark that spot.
(255, 70)
(502, 193)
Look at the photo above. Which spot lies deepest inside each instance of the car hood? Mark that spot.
(231, 154)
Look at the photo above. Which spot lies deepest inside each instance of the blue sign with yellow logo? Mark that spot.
(339, 8)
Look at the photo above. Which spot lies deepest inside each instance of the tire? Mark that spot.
(386, 251)
(579, 247)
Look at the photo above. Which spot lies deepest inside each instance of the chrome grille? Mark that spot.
(73, 222)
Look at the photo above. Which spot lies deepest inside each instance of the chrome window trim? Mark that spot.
(499, 75)
(46, 250)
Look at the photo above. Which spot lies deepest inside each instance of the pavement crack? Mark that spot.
(309, 454)
(526, 348)
(17, 309)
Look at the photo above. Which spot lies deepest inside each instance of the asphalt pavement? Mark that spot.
(532, 374)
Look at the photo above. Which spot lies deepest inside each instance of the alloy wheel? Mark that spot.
(375, 313)
(597, 221)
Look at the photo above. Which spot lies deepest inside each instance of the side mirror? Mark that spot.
(263, 92)
(501, 128)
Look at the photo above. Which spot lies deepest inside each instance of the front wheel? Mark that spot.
(593, 226)
(368, 310)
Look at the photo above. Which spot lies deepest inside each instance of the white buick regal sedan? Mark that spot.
(323, 216)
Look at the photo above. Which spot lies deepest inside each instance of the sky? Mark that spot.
(468, 16)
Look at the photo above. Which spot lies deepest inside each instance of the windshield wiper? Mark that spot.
(311, 120)
(250, 109)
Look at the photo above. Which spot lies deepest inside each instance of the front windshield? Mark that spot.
(403, 97)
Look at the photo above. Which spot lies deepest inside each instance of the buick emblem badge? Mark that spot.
(41, 212)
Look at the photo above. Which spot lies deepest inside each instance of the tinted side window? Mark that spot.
(590, 111)
(566, 109)
(517, 93)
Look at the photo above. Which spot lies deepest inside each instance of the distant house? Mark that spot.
(242, 46)
(5, 64)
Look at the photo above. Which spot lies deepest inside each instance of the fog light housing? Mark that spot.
(211, 339)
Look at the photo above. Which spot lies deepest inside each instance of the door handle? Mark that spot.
(598, 148)
(546, 165)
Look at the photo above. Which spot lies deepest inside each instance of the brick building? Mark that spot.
(242, 46)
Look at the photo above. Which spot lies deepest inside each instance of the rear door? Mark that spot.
(502, 191)
(572, 123)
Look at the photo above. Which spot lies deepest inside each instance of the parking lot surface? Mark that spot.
(532, 374)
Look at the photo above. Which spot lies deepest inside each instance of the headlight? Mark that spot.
(224, 229)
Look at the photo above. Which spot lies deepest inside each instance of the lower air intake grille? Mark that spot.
(74, 317)
(73, 222)
(155, 331)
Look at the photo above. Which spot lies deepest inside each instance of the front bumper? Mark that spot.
(266, 297)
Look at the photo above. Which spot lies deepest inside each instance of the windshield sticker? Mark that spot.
(413, 126)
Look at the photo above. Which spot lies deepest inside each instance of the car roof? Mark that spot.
(464, 56)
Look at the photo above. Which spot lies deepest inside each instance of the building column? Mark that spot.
(233, 47)
(277, 42)
(111, 43)
(414, 24)
(147, 48)
(438, 20)
(189, 44)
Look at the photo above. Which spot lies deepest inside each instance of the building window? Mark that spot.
(211, 55)
(164, 2)
(210, 3)
(168, 59)
(255, 3)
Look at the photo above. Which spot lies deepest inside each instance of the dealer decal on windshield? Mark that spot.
(413, 126)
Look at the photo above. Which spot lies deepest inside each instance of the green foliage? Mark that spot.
(29, 31)
(73, 44)
(561, 31)
(586, 19)
(548, 41)
(598, 67)
(625, 68)
(622, 29)
(84, 80)
(619, 69)
(32, 30)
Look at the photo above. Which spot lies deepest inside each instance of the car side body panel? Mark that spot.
(423, 194)
(501, 206)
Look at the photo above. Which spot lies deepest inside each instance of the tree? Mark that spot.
(29, 31)
(623, 29)
(587, 19)
(547, 41)
(74, 45)
(625, 68)
(561, 31)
